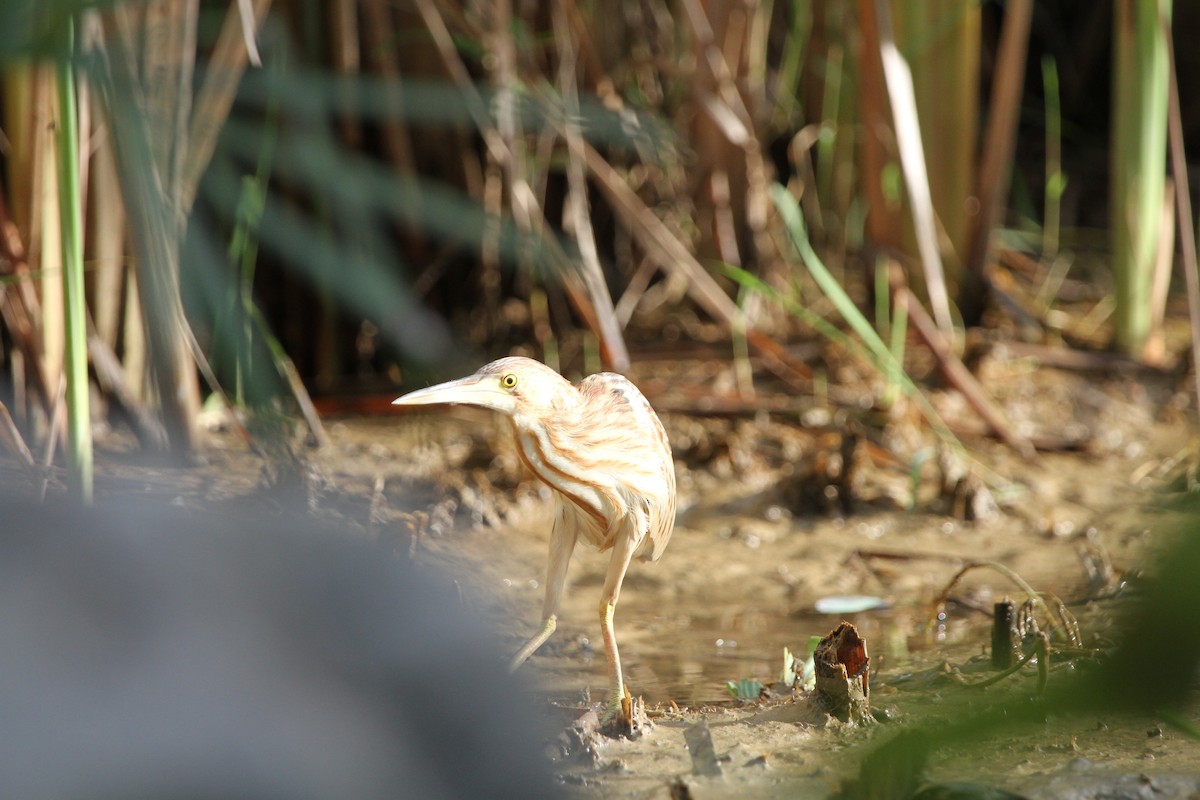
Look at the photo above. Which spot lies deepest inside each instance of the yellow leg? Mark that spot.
(562, 542)
(615, 576)
(616, 684)
(535, 641)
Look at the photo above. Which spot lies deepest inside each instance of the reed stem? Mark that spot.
(79, 432)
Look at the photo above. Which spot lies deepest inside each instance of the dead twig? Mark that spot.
(110, 376)
(57, 422)
(959, 376)
(12, 439)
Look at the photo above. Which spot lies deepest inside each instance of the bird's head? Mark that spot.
(511, 386)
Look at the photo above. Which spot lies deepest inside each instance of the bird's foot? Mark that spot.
(624, 716)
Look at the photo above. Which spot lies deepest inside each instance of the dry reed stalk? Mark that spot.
(135, 350)
(251, 20)
(10, 437)
(834, 120)
(508, 124)
(106, 231)
(156, 215)
(943, 41)
(883, 225)
(168, 62)
(112, 379)
(18, 86)
(612, 343)
(635, 289)
(957, 374)
(215, 96)
(1155, 349)
(999, 145)
(1183, 201)
(898, 80)
(45, 249)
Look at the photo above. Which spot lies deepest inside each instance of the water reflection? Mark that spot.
(702, 653)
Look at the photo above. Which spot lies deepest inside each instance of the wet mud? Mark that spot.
(766, 531)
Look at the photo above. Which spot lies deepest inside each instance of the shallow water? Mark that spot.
(700, 654)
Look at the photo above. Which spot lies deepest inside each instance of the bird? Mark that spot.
(605, 455)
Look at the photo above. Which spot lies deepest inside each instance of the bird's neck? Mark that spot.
(563, 415)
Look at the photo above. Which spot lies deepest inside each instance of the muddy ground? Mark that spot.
(770, 522)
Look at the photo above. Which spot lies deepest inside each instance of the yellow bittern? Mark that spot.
(603, 451)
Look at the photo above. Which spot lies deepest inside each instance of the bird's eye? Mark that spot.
(508, 380)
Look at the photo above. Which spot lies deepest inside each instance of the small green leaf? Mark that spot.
(745, 689)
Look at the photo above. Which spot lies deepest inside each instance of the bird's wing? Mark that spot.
(621, 438)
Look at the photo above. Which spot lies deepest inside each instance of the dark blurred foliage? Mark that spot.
(156, 652)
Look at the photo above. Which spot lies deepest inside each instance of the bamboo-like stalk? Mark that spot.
(106, 238)
(18, 86)
(169, 61)
(79, 431)
(941, 40)
(883, 222)
(136, 350)
(1139, 158)
(156, 223)
(45, 237)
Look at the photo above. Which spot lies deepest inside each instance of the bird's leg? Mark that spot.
(616, 682)
(617, 566)
(562, 543)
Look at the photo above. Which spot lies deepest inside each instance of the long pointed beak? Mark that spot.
(471, 391)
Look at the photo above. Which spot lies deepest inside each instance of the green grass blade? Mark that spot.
(869, 345)
(789, 210)
(79, 432)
